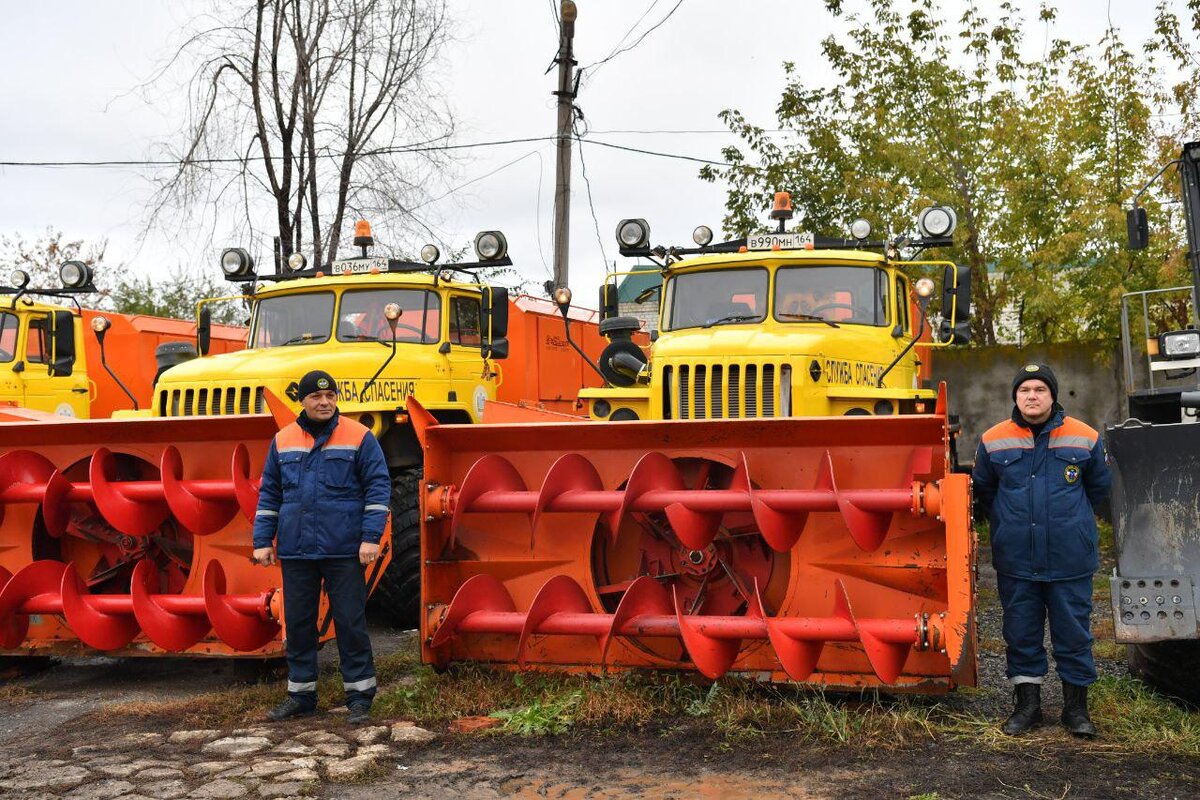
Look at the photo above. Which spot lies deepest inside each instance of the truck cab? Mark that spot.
(785, 325)
(38, 365)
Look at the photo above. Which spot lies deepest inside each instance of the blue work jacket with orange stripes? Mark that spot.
(323, 497)
(1038, 494)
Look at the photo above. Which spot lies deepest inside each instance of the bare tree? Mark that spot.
(325, 109)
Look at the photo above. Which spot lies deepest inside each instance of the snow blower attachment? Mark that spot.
(133, 536)
(833, 551)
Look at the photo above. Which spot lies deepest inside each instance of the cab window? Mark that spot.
(718, 297)
(294, 319)
(902, 306)
(464, 321)
(361, 316)
(8, 336)
(37, 347)
(854, 295)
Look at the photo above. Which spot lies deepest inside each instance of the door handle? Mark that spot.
(79, 390)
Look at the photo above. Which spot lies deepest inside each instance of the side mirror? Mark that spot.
(956, 305)
(204, 331)
(609, 304)
(498, 349)
(62, 330)
(1137, 228)
(495, 322)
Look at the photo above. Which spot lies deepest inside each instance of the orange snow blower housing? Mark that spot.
(133, 535)
(777, 499)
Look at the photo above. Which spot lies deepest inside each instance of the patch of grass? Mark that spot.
(12, 693)
(540, 719)
(925, 796)
(1132, 714)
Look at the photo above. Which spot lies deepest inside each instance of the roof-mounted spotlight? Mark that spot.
(236, 262)
(430, 254)
(491, 246)
(702, 236)
(633, 233)
(860, 229)
(937, 222)
(19, 278)
(296, 262)
(75, 275)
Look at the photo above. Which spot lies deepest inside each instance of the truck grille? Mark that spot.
(726, 391)
(211, 401)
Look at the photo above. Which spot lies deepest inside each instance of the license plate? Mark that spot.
(796, 240)
(357, 265)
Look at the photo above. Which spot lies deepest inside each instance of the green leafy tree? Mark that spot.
(42, 256)
(1035, 154)
(174, 296)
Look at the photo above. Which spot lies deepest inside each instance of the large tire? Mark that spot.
(397, 597)
(1169, 667)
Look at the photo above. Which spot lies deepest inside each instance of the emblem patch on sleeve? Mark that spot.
(1071, 473)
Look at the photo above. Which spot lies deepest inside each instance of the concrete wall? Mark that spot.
(979, 382)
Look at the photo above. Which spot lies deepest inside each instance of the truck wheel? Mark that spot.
(397, 597)
(1169, 667)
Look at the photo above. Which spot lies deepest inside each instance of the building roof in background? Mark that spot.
(645, 276)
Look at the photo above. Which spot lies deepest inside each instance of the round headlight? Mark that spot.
(236, 262)
(19, 278)
(937, 221)
(74, 274)
(491, 246)
(924, 287)
(860, 229)
(633, 233)
(562, 296)
(392, 311)
(702, 236)
(430, 253)
(297, 262)
(100, 324)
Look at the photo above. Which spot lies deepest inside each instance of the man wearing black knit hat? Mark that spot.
(1038, 476)
(322, 509)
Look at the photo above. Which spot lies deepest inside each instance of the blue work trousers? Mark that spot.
(1026, 606)
(347, 590)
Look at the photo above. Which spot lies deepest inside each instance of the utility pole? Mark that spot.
(566, 113)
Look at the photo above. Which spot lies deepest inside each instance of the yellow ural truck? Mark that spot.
(783, 324)
(387, 330)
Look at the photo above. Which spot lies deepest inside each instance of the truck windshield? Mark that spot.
(719, 297)
(854, 295)
(361, 317)
(294, 319)
(8, 336)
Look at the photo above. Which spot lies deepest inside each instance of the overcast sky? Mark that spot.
(67, 68)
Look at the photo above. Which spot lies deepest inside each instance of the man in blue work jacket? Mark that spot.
(1038, 476)
(322, 509)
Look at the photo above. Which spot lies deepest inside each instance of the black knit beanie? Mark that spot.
(316, 381)
(1036, 372)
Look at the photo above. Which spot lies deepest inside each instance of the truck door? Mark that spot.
(11, 387)
(466, 359)
(63, 394)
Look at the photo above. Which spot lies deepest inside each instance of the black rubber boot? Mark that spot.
(290, 707)
(1027, 714)
(1075, 712)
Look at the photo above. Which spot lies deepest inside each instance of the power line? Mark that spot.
(660, 154)
(619, 50)
(591, 205)
(176, 162)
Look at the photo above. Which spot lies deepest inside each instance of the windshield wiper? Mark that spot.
(812, 317)
(300, 337)
(730, 318)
